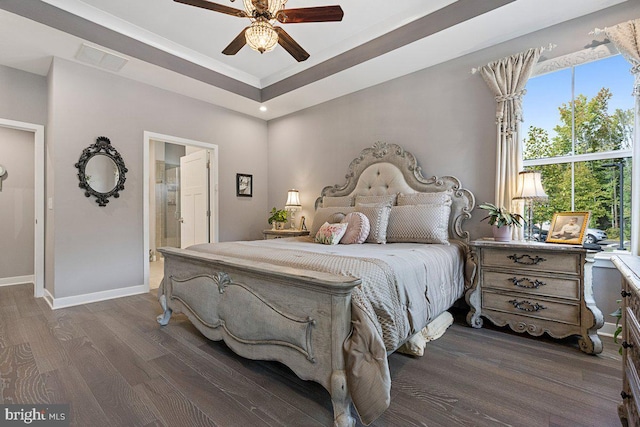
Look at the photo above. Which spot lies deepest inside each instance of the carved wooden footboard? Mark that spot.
(298, 317)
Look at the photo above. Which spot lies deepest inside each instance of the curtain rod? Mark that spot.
(549, 48)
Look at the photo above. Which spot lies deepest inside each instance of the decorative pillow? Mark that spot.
(330, 234)
(337, 201)
(322, 215)
(378, 216)
(440, 198)
(379, 200)
(336, 218)
(419, 224)
(357, 228)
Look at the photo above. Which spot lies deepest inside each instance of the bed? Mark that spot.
(332, 313)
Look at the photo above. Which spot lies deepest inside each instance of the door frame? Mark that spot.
(38, 136)
(146, 173)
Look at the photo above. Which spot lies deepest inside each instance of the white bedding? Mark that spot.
(405, 285)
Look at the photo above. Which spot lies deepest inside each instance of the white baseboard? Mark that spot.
(607, 330)
(18, 280)
(56, 303)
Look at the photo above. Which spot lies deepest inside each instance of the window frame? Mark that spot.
(602, 51)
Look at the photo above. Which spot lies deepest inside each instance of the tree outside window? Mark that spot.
(578, 120)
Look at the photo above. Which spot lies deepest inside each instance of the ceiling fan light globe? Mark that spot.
(261, 36)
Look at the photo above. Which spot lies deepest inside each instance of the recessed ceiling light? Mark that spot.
(263, 108)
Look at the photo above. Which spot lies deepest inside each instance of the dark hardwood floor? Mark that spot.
(117, 367)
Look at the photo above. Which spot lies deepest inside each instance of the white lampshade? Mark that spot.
(293, 200)
(530, 186)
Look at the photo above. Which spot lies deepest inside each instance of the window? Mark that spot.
(578, 132)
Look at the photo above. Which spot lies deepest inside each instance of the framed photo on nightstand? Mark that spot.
(244, 185)
(568, 227)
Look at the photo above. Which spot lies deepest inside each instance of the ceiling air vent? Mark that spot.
(100, 58)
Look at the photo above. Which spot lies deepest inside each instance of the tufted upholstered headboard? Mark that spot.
(389, 169)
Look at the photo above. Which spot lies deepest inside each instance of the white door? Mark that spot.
(194, 199)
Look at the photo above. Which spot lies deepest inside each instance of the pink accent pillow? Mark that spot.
(358, 228)
(330, 234)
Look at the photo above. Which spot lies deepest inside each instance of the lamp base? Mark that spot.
(529, 236)
(292, 221)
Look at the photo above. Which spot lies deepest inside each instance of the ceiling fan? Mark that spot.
(262, 35)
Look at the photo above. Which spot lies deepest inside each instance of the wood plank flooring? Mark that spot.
(117, 367)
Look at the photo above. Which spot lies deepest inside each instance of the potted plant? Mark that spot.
(278, 216)
(501, 220)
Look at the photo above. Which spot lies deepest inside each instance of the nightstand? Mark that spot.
(629, 267)
(535, 287)
(287, 232)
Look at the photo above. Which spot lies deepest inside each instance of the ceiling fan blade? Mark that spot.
(310, 14)
(236, 44)
(291, 46)
(215, 7)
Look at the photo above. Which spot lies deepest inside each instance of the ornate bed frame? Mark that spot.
(300, 318)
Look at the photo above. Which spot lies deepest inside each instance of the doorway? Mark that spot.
(38, 206)
(180, 197)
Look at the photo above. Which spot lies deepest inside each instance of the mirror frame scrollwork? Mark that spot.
(103, 147)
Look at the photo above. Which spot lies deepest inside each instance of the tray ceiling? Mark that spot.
(178, 47)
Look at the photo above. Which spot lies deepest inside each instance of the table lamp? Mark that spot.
(530, 185)
(293, 205)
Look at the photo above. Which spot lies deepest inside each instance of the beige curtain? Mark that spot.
(507, 79)
(626, 38)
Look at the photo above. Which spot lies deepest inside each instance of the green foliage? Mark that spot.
(596, 130)
(501, 216)
(618, 315)
(277, 215)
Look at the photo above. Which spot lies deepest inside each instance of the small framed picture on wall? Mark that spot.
(244, 185)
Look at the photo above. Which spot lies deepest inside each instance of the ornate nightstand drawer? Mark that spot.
(553, 262)
(534, 284)
(631, 339)
(536, 287)
(631, 391)
(527, 305)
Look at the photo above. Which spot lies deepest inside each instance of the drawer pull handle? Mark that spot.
(625, 294)
(526, 259)
(626, 344)
(626, 395)
(527, 305)
(535, 284)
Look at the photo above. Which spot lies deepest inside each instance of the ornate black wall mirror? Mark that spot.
(101, 171)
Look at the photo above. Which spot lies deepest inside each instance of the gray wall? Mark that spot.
(23, 96)
(98, 249)
(17, 215)
(444, 115)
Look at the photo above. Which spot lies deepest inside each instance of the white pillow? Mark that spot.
(322, 215)
(379, 200)
(336, 201)
(419, 224)
(378, 216)
(330, 234)
(440, 198)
